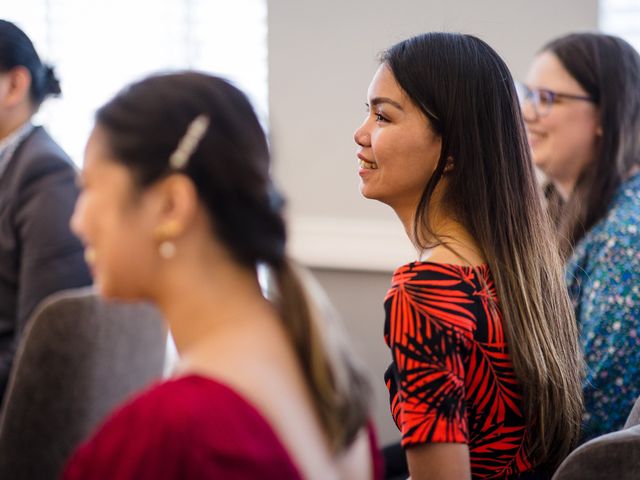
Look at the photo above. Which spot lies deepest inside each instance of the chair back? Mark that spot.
(614, 455)
(634, 416)
(79, 357)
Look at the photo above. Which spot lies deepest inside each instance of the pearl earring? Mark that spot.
(167, 249)
(166, 232)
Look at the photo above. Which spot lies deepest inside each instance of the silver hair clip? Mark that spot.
(189, 142)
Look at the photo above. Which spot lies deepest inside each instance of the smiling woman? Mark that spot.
(177, 207)
(590, 152)
(400, 149)
(485, 372)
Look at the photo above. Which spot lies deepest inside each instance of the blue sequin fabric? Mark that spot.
(603, 276)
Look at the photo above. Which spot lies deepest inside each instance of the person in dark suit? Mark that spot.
(38, 253)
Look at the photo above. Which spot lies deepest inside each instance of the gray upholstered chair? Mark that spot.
(634, 416)
(614, 456)
(79, 358)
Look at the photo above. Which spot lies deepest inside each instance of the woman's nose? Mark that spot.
(361, 136)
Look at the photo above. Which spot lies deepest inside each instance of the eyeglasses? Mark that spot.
(542, 99)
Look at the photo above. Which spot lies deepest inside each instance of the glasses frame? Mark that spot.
(526, 93)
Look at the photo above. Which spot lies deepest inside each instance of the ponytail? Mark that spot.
(230, 170)
(338, 384)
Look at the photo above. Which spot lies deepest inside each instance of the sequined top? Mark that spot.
(603, 276)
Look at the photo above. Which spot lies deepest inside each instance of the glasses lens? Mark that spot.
(523, 92)
(545, 101)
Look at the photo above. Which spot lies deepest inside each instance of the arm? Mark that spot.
(428, 391)
(439, 461)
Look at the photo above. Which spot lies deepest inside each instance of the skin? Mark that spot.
(398, 139)
(213, 305)
(564, 142)
(15, 104)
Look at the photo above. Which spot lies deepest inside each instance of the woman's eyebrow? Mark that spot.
(378, 100)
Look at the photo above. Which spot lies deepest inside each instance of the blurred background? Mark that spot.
(306, 66)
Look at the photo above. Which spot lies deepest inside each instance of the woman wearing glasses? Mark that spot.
(581, 106)
(485, 374)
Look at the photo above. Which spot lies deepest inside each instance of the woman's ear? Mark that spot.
(176, 205)
(15, 87)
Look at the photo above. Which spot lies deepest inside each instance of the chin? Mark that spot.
(540, 163)
(368, 192)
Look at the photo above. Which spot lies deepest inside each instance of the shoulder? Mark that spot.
(192, 412)
(444, 279)
(191, 427)
(614, 240)
(434, 297)
(608, 257)
(40, 156)
(621, 220)
(184, 402)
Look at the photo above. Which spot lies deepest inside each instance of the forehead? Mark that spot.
(546, 71)
(384, 84)
(96, 147)
(99, 162)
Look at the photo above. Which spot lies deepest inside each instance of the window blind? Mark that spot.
(98, 46)
(621, 18)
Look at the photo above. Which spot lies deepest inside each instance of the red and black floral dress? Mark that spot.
(451, 379)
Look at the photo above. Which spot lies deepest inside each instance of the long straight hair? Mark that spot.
(230, 169)
(467, 94)
(608, 69)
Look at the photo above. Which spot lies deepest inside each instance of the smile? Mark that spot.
(368, 165)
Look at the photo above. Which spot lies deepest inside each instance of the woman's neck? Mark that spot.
(200, 298)
(447, 239)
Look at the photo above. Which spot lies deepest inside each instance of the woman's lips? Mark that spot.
(365, 163)
(534, 138)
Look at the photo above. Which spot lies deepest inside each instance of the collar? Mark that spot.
(9, 145)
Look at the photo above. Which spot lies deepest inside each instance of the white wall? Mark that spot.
(322, 55)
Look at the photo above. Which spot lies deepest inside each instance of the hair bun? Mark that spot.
(51, 84)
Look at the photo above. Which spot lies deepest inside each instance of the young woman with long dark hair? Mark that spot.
(581, 105)
(485, 380)
(177, 207)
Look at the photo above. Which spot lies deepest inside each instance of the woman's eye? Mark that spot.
(380, 118)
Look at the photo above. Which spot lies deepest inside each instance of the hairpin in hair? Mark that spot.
(189, 142)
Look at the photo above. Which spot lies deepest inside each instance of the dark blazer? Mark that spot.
(38, 253)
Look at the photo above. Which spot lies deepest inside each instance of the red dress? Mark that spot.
(189, 428)
(451, 379)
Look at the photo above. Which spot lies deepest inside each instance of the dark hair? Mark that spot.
(230, 168)
(16, 50)
(467, 94)
(608, 68)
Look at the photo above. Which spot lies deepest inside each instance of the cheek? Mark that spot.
(127, 259)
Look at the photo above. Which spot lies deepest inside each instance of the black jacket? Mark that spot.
(39, 254)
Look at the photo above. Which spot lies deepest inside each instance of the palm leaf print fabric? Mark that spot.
(451, 379)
